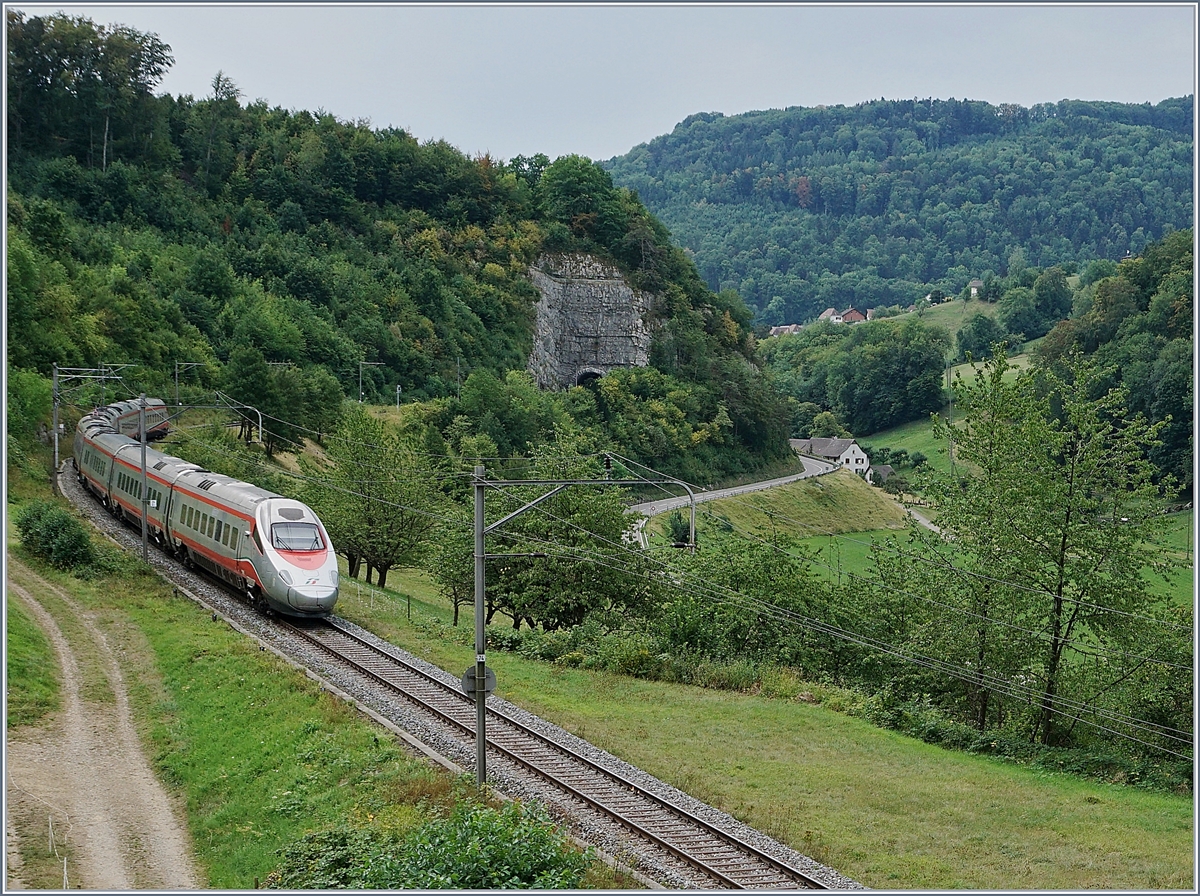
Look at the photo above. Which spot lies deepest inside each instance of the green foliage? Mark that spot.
(29, 403)
(515, 847)
(49, 531)
(296, 258)
(802, 209)
(334, 859)
(375, 494)
(1046, 527)
(1137, 327)
(586, 569)
(475, 848)
(870, 375)
(978, 336)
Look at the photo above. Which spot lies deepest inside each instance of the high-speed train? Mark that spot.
(272, 548)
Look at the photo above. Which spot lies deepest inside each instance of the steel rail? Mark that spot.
(776, 868)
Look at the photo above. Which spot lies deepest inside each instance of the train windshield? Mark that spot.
(296, 537)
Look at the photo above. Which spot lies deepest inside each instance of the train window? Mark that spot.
(233, 538)
(296, 537)
(211, 521)
(257, 542)
(203, 522)
(220, 525)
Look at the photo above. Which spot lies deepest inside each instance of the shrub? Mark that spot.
(480, 848)
(329, 860)
(49, 531)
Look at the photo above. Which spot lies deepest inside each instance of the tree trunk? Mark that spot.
(353, 562)
(104, 150)
(383, 571)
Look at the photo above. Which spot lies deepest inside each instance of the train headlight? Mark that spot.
(283, 574)
(333, 578)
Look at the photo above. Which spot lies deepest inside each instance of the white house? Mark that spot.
(843, 452)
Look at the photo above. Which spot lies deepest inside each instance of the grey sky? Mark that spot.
(598, 80)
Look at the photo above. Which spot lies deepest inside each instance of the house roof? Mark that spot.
(822, 447)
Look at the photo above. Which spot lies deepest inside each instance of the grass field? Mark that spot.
(262, 755)
(882, 808)
(836, 502)
(29, 659)
(1179, 541)
(259, 753)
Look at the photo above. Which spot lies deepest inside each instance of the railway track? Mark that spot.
(726, 860)
(601, 802)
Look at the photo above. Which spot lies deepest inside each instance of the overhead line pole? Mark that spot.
(74, 373)
(481, 686)
(145, 485)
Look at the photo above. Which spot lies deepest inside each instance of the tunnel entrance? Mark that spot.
(588, 375)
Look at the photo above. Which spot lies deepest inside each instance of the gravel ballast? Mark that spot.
(451, 749)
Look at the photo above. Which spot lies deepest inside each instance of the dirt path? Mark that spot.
(86, 773)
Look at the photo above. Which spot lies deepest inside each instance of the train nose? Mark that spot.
(312, 598)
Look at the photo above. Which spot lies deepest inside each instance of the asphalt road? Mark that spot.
(665, 504)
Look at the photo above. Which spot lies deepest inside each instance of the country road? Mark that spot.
(812, 467)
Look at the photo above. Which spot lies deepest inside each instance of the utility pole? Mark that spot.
(145, 488)
(478, 679)
(54, 423)
(480, 637)
(398, 390)
(61, 374)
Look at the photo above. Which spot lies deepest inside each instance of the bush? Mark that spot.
(480, 848)
(50, 532)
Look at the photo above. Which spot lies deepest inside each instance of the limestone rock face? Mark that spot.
(589, 321)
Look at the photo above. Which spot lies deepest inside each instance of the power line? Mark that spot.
(997, 685)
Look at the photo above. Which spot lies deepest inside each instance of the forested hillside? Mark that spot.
(284, 256)
(876, 204)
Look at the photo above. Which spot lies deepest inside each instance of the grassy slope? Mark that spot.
(33, 685)
(882, 808)
(837, 502)
(259, 753)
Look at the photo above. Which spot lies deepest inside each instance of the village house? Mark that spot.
(850, 316)
(786, 330)
(975, 286)
(843, 452)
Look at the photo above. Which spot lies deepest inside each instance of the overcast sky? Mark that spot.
(600, 79)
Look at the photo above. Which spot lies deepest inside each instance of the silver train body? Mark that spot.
(270, 547)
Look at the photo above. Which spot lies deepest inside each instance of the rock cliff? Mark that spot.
(589, 321)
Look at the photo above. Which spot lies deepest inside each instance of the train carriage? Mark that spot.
(272, 548)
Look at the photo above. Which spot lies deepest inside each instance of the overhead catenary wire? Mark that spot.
(914, 595)
(996, 684)
(1001, 686)
(945, 565)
